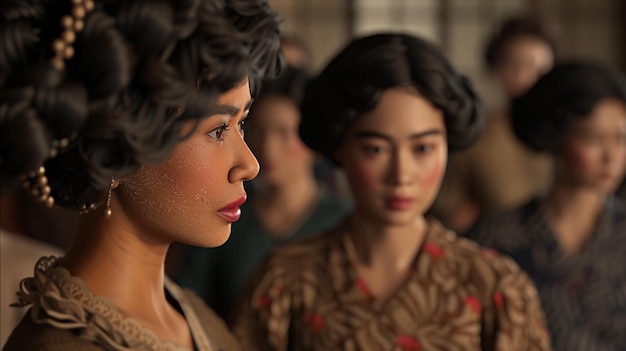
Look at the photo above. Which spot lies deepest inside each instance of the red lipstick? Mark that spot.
(399, 203)
(232, 212)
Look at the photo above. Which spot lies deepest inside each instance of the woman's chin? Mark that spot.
(214, 239)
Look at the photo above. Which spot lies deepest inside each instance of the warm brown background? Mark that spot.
(592, 29)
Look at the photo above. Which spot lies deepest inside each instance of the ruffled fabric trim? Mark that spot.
(63, 301)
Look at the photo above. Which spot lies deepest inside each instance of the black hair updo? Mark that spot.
(355, 79)
(566, 94)
(139, 70)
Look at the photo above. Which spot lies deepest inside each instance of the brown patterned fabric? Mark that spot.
(307, 296)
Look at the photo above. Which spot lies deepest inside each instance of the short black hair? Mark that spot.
(355, 79)
(513, 28)
(566, 94)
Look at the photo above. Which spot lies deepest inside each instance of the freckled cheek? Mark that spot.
(194, 177)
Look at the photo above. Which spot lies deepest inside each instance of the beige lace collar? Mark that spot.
(63, 301)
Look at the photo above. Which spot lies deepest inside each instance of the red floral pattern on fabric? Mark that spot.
(498, 299)
(360, 284)
(473, 303)
(448, 302)
(315, 322)
(263, 301)
(435, 251)
(408, 343)
(491, 252)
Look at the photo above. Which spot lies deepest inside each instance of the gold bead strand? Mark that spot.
(37, 184)
(72, 24)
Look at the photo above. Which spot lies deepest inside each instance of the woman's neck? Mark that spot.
(119, 263)
(393, 246)
(572, 213)
(384, 253)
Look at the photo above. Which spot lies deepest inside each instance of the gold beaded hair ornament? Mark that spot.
(63, 49)
(72, 24)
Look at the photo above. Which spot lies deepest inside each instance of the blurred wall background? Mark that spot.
(591, 29)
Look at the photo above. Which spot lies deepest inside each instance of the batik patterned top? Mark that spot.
(584, 296)
(458, 296)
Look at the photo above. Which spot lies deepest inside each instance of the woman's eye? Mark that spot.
(373, 150)
(423, 149)
(218, 132)
(242, 127)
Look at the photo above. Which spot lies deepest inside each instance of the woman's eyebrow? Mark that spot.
(231, 110)
(371, 134)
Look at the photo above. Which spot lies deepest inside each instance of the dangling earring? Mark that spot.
(107, 210)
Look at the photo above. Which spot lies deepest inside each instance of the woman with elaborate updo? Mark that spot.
(387, 109)
(572, 241)
(130, 112)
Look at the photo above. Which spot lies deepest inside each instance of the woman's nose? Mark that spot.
(246, 166)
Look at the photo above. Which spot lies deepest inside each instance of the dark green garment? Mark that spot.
(218, 274)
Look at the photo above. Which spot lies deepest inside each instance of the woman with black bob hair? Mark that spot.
(129, 112)
(572, 240)
(387, 109)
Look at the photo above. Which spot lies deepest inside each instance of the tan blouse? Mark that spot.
(459, 296)
(66, 316)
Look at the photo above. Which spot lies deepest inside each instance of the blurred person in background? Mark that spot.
(572, 240)
(499, 172)
(387, 109)
(286, 202)
(296, 52)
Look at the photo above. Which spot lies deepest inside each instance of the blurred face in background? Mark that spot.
(593, 153)
(296, 55)
(272, 133)
(524, 59)
(394, 157)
